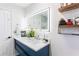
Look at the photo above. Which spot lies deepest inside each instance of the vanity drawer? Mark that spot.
(42, 52)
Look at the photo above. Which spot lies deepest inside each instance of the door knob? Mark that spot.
(8, 37)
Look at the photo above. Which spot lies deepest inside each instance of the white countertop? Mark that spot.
(34, 44)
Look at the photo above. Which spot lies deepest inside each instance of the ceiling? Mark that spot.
(23, 4)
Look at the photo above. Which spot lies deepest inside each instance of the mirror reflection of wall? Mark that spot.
(44, 21)
(40, 20)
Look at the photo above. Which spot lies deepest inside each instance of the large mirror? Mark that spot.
(40, 20)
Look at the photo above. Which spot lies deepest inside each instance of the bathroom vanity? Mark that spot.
(31, 47)
(25, 46)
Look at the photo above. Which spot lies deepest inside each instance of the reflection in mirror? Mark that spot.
(40, 20)
(44, 20)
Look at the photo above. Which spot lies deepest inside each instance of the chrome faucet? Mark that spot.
(37, 37)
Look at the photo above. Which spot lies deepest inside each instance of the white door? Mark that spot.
(6, 45)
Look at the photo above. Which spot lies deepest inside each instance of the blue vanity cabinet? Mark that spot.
(23, 50)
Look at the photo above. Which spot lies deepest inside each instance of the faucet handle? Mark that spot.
(45, 40)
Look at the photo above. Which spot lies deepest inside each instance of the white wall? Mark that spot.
(60, 44)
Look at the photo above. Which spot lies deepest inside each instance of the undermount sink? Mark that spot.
(34, 42)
